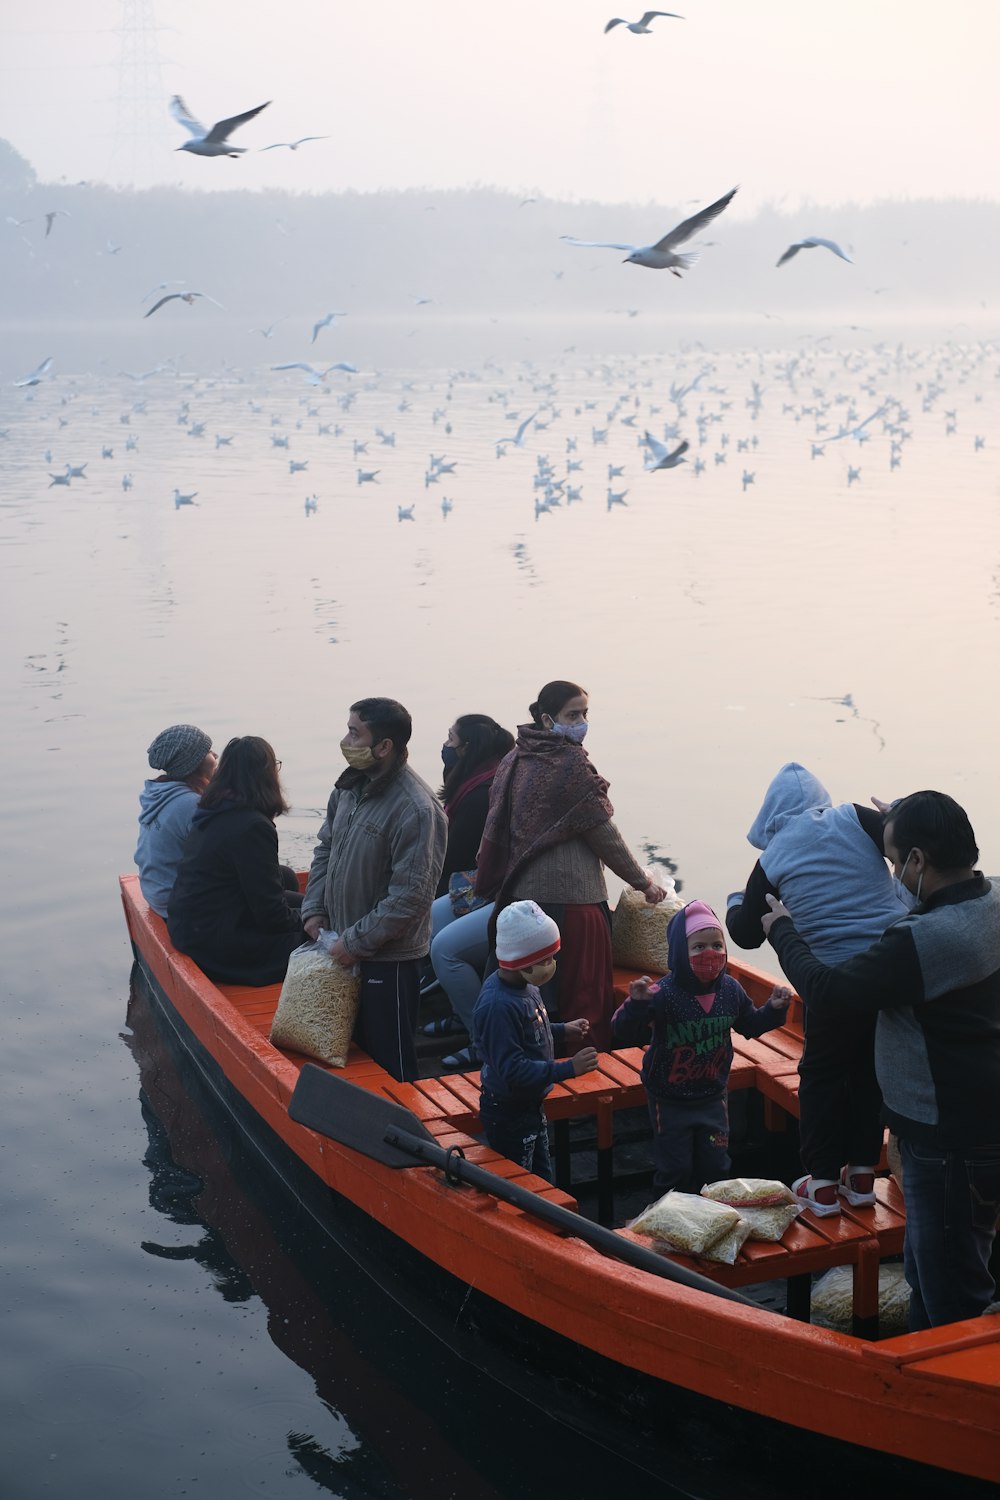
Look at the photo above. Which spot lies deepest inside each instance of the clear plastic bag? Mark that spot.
(749, 1192)
(686, 1222)
(318, 1004)
(832, 1304)
(639, 931)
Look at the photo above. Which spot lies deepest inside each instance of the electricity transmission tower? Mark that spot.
(142, 137)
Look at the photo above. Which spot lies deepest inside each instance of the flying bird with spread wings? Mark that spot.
(810, 243)
(214, 142)
(187, 297)
(642, 26)
(661, 256)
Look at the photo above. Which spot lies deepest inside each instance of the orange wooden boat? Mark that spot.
(613, 1345)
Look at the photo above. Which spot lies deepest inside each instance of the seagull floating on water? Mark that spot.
(661, 257)
(809, 243)
(180, 499)
(642, 26)
(212, 142)
(187, 297)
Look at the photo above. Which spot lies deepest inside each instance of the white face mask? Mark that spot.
(575, 732)
(907, 897)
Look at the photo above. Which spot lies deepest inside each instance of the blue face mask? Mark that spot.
(449, 756)
(575, 732)
(906, 897)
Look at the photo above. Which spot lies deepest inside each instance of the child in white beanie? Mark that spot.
(516, 1040)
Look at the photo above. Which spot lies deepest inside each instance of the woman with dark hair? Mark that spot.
(230, 909)
(548, 837)
(459, 939)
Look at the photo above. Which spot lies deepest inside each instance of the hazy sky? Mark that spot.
(795, 100)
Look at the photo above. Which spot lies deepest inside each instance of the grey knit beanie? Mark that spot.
(179, 750)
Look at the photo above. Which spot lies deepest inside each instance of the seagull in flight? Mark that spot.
(212, 142)
(660, 456)
(518, 440)
(325, 323)
(187, 297)
(642, 26)
(810, 243)
(51, 218)
(293, 145)
(314, 376)
(37, 376)
(661, 257)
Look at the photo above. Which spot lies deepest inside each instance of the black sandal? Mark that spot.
(445, 1026)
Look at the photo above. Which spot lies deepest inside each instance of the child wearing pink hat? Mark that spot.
(512, 1033)
(687, 1018)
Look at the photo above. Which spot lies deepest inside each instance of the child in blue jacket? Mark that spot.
(513, 1034)
(689, 1014)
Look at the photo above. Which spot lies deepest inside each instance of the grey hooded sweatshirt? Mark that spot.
(825, 863)
(166, 809)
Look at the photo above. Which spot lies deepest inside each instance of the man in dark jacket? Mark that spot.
(374, 874)
(934, 980)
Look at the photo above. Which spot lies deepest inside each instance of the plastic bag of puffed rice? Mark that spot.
(771, 1223)
(686, 1222)
(832, 1303)
(639, 931)
(726, 1249)
(318, 1004)
(749, 1192)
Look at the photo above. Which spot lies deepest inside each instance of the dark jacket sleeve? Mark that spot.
(632, 1022)
(886, 975)
(754, 1020)
(873, 824)
(743, 920)
(257, 870)
(465, 832)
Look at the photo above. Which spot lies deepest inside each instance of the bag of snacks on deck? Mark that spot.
(318, 1004)
(832, 1304)
(749, 1192)
(770, 1224)
(726, 1249)
(639, 931)
(686, 1222)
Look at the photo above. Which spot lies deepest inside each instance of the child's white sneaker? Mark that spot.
(857, 1186)
(817, 1193)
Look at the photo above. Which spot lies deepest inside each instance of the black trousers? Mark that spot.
(387, 1015)
(840, 1102)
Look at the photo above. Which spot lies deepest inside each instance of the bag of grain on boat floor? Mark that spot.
(686, 1222)
(639, 931)
(318, 1004)
(832, 1304)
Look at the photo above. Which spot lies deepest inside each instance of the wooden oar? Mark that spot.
(390, 1134)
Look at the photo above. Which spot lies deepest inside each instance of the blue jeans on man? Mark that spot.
(952, 1207)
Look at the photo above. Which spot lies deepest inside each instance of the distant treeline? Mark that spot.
(268, 255)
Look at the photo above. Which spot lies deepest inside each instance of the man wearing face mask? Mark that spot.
(933, 981)
(374, 875)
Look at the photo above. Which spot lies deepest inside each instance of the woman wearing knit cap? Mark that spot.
(548, 835)
(229, 909)
(516, 1041)
(687, 1018)
(184, 754)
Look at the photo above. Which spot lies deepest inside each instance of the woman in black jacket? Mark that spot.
(459, 946)
(230, 909)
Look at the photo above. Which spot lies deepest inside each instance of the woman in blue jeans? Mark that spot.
(459, 944)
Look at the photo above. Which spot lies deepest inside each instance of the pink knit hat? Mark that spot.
(697, 915)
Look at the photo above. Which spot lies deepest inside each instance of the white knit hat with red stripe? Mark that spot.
(525, 936)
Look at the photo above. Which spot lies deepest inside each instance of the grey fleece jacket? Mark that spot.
(376, 867)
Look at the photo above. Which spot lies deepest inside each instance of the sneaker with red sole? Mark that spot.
(857, 1186)
(817, 1193)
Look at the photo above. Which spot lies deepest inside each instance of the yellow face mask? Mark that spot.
(358, 757)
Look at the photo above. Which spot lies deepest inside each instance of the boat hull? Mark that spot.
(598, 1344)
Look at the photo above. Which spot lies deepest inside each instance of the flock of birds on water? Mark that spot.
(697, 401)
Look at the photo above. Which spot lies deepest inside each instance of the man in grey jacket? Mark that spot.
(373, 878)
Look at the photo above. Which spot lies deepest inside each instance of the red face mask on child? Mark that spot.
(707, 966)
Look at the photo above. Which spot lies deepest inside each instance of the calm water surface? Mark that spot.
(721, 628)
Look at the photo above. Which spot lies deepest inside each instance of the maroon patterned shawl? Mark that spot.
(558, 795)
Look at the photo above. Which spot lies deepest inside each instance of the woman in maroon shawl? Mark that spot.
(548, 836)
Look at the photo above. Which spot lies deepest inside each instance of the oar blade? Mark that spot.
(353, 1116)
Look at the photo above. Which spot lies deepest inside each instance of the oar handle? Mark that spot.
(595, 1235)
